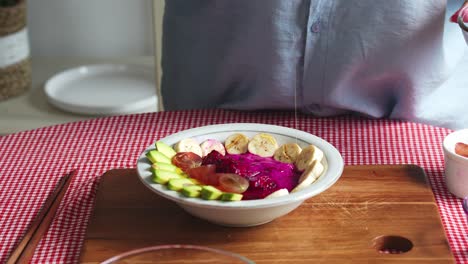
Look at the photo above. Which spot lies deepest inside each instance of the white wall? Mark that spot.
(90, 28)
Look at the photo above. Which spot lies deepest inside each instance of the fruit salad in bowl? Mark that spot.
(241, 174)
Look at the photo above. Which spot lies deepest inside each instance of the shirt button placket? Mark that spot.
(315, 27)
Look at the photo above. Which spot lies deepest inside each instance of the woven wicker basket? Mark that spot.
(15, 79)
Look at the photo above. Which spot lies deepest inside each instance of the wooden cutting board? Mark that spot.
(369, 211)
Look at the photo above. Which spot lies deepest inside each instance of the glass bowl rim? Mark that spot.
(137, 251)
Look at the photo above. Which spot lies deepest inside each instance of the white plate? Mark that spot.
(105, 89)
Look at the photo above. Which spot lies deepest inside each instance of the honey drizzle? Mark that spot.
(295, 110)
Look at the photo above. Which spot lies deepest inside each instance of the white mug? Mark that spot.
(456, 166)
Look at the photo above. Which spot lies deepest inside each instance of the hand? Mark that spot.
(454, 17)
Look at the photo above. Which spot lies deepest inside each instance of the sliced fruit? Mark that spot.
(205, 174)
(188, 145)
(263, 145)
(278, 193)
(163, 176)
(231, 197)
(210, 193)
(177, 184)
(165, 149)
(191, 191)
(265, 183)
(186, 160)
(307, 156)
(194, 181)
(166, 166)
(287, 153)
(153, 170)
(236, 143)
(231, 182)
(156, 156)
(311, 174)
(214, 157)
(212, 144)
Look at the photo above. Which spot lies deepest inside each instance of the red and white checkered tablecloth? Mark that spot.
(32, 162)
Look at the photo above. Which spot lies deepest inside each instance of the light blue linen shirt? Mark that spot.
(378, 58)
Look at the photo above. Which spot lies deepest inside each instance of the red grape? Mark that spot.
(205, 174)
(186, 160)
(231, 182)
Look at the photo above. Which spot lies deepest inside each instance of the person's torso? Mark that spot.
(367, 56)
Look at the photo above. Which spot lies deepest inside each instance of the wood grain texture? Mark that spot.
(338, 226)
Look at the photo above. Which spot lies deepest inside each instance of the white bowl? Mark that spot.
(248, 212)
(456, 166)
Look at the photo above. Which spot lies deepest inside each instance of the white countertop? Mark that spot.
(31, 110)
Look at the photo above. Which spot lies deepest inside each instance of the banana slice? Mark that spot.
(188, 145)
(309, 175)
(212, 144)
(278, 193)
(236, 143)
(287, 153)
(263, 145)
(307, 156)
